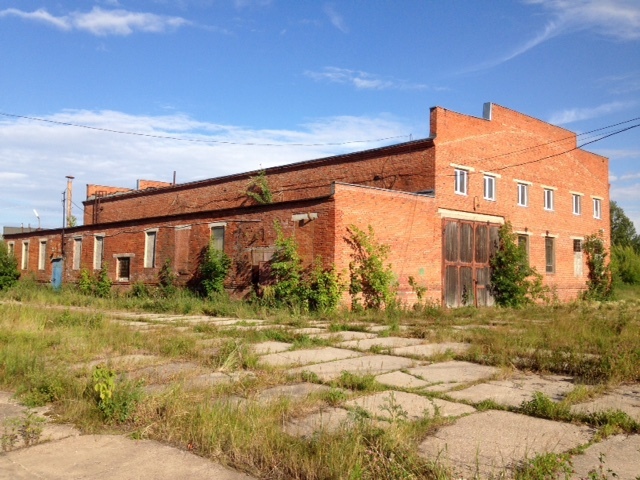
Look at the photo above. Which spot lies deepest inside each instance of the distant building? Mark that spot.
(438, 202)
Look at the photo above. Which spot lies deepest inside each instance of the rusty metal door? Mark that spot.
(467, 248)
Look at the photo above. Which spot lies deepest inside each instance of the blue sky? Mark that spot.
(229, 76)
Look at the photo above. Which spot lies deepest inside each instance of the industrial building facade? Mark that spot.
(437, 202)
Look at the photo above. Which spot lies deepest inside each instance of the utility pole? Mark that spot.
(69, 201)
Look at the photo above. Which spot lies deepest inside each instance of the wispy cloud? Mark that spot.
(102, 22)
(362, 80)
(35, 156)
(617, 19)
(336, 19)
(577, 114)
(620, 84)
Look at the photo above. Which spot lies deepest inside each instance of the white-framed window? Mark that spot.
(550, 254)
(150, 242)
(597, 208)
(461, 181)
(77, 252)
(217, 237)
(523, 194)
(25, 255)
(11, 248)
(489, 187)
(42, 254)
(548, 199)
(98, 251)
(577, 204)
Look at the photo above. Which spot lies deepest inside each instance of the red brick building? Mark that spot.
(437, 202)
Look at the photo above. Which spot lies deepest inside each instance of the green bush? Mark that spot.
(214, 268)
(97, 285)
(514, 282)
(9, 272)
(370, 280)
(599, 286)
(314, 288)
(625, 265)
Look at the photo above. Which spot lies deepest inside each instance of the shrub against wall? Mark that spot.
(312, 288)
(599, 285)
(514, 282)
(214, 268)
(9, 272)
(370, 280)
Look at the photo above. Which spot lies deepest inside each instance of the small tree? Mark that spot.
(287, 269)
(9, 272)
(599, 285)
(214, 268)
(369, 278)
(258, 189)
(514, 282)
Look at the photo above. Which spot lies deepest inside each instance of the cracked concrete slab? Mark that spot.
(514, 391)
(120, 362)
(431, 349)
(94, 457)
(307, 356)
(165, 372)
(363, 365)
(454, 371)
(264, 348)
(297, 391)
(625, 398)
(397, 405)
(401, 380)
(344, 335)
(327, 421)
(381, 342)
(619, 455)
(494, 442)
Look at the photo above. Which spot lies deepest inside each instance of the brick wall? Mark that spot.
(402, 167)
(517, 147)
(186, 236)
(407, 223)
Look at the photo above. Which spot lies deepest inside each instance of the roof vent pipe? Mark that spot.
(487, 110)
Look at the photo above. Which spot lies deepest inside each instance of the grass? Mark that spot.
(44, 338)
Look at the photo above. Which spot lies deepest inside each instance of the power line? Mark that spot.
(195, 140)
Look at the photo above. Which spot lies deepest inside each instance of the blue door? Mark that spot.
(56, 273)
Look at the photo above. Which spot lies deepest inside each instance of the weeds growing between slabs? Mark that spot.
(43, 350)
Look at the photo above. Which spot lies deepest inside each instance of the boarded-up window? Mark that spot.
(550, 254)
(42, 254)
(151, 238)
(217, 238)
(181, 255)
(98, 252)
(577, 257)
(25, 255)
(77, 252)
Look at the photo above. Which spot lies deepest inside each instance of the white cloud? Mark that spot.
(103, 22)
(35, 157)
(578, 114)
(617, 19)
(362, 80)
(336, 19)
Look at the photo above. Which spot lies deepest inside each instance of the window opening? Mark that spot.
(123, 268)
(217, 238)
(597, 208)
(461, 181)
(25, 255)
(523, 194)
(550, 254)
(150, 249)
(77, 253)
(548, 199)
(577, 204)
(98, 253)
(489, 187)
